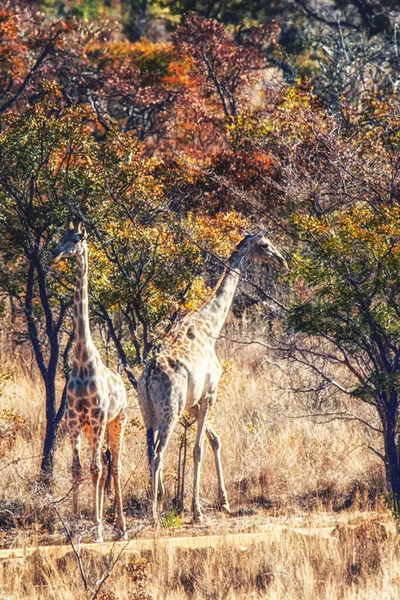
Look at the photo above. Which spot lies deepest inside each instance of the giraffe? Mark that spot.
(185, 375)
(96, 395)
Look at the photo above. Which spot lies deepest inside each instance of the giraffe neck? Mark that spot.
(216, 309)
(83, 338)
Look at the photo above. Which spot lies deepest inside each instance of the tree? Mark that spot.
(341, 183)
(35, 155)
(146, 262)
(89, 67)
(149, 259)
(225, 70)
(75, 105)
(350, 266)
(28, 47)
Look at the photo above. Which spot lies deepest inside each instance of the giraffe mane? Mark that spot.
(238, 248)
(175, 330)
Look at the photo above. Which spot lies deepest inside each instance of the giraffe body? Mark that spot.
(96, 395)
(185, 375)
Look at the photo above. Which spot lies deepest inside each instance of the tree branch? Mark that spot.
(32, 329)
(39, 61)
(118, 346)
(333, 24)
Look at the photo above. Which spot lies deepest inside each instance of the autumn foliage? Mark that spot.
(169, 147)
(89, 124)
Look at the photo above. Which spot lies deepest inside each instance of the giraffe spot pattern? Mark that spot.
(190, 333)
(81, 327)
(95, 395)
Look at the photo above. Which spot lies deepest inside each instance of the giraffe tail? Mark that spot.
(150, 445)
(108, 462)
(150, 413)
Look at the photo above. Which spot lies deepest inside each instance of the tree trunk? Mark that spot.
(391, 454)
(53, 416)
(49, 374)
(52, 422)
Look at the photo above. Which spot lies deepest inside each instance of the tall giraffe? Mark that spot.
(185, 375)
(96, 396)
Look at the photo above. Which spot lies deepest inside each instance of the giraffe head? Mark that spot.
(259, 247)
(72, 242)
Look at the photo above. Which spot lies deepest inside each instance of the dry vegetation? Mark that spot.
(282, 472)
(356, 561)
(168, 145)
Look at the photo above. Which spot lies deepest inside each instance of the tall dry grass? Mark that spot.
(273, 456)
(281, 469)
(351, 563)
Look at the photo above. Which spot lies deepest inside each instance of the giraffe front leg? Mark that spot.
(116, 433)
(202, 415)
(75, 435)
(215, 443)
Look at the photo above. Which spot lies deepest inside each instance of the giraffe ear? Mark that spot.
(81, 229)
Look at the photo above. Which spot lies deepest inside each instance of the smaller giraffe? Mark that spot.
(96, 395)
(186, 373)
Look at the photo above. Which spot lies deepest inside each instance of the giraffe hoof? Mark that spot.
(97, 535)
(120, 526)
(223, 506)
(198, 517)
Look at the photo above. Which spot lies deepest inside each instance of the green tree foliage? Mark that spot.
(35, 151)
(341, 182)
(350, 264)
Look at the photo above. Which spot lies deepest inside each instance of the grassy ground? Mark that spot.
(357, 559)
(279, 467)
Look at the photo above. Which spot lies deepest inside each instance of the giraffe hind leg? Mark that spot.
(167, 405)
(215, 443)
(75, 435)
(151, 446)
(105, 483)
(164, 434)
(96, 473)
(202, 416)
(160, 487)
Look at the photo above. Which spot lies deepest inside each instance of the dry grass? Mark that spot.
(269, 459)
(358, 562)
(276, 465)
